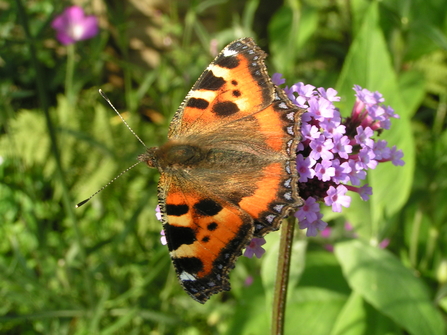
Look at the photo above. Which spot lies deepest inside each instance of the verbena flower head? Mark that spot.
(335, 153)
(73, 25)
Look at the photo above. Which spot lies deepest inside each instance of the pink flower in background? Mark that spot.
(384, 243)
(248, 281)
(73, 25)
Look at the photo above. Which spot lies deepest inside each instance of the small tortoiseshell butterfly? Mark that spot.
(228, 169)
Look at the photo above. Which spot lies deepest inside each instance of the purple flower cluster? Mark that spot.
(335, 153)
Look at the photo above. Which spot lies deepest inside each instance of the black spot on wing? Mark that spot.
(208, 81)
(225, 108)
(234, 82)
(229, 62)
(236, 93)
(206, 239)
(177, 236)
(176, 210)
(197, 103)
(207, 207)
(189, 264)
(212, 226)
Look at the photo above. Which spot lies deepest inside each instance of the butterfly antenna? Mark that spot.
(122, 119)
(86, 200)
(131, 167)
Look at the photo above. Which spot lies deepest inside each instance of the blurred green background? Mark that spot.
(101, 269)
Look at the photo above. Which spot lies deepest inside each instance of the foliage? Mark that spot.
(101, 269)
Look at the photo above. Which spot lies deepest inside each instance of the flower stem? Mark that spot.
(69, 93)
(282, 276)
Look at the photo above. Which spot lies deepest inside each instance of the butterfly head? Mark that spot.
(150, 157)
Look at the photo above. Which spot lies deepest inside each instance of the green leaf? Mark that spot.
(392, 289)
(359, 317)
(412, 88)
(321, 265)
(312, 310)
(27, 125)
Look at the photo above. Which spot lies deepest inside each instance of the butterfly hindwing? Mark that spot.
(203, 244)
(228, 170)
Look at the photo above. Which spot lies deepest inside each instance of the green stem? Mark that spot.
(413, 250)
(69, 93)
(61, 178)
(282, 276)
(430, 249)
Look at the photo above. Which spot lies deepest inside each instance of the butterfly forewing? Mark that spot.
(234, 85)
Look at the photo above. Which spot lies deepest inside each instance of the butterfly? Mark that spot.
(228, 170)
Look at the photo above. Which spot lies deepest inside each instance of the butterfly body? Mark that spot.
(228, 169)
